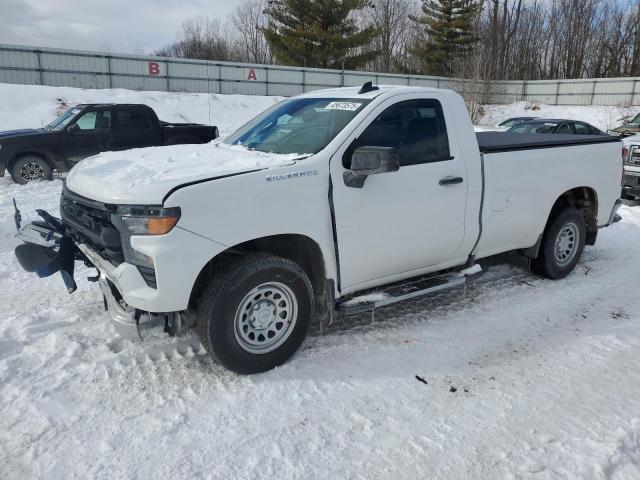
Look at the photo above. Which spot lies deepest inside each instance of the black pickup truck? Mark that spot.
(86, 130)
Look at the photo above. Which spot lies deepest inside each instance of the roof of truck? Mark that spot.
(353, 92)
(111, 105)
(494, 142)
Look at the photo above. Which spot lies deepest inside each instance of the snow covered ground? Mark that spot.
(515, 378)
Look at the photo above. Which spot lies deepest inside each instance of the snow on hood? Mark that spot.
(146, 175)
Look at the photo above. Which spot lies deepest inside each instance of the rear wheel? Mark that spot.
(562, 245)
(255, 314)
(30, 169)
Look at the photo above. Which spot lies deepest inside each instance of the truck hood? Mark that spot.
(21, 133)
(145, 176)
(628, 128)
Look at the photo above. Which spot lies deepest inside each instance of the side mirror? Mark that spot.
(73, 128)
(367, 161)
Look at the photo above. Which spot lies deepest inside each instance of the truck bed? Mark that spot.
(524, 175)
(494, 142)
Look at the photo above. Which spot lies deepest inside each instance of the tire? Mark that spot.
(241, 325)
(29, 169)
(566, 231)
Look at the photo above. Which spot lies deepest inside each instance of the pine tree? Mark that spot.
(318, 33)
(448, 26)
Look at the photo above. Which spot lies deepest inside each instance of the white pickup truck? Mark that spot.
(338, 200)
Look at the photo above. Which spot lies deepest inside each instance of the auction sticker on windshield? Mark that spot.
(350, 106)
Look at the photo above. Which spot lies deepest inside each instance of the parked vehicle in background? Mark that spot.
(555, 126)
(632, 127)
(503, 126)
(512, 122)
(485, 128)
(343, 200)
(631, 160)
(87, 130)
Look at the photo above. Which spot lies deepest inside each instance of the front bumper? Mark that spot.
(178, 257)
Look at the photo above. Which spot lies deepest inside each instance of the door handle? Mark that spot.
(451, 181)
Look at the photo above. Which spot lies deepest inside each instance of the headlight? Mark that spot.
(142, 221)
(145, 221)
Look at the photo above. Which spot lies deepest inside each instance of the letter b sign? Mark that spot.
(154, 68)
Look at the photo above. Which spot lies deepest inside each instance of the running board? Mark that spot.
(412, 288)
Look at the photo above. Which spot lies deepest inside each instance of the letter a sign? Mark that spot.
(252, 75)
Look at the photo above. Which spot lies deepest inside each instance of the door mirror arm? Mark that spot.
(73, 128)
(367, 161)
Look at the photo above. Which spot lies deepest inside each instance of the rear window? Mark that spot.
(131, 119)
(537, 127)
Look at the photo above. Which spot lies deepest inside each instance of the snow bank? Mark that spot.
(602, 117)
(33, 106)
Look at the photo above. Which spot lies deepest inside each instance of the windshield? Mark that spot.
(635, 119)
(304, 125)
(533, 127)
(63, 120)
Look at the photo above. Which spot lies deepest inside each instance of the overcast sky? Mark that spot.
(117, 26)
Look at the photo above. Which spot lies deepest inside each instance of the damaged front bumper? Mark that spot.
(46, 251)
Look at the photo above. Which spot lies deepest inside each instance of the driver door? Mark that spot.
(410, 219)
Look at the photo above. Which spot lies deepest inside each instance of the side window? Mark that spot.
(416, 128)
(94, 120)
(566, 128)
(582, 129)
(131, 120)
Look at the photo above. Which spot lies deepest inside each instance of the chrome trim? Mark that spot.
(123, 319)
(38, 235)
(105, 267)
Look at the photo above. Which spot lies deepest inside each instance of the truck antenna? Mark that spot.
(368, 87)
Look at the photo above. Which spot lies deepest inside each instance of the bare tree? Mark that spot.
(249, 19)
(391, 19)
(519, 39)
(204, 39)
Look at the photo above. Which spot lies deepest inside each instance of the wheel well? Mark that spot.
(298, 248)
(585, 200)
(20, 155)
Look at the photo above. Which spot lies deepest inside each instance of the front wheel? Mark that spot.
(255, 314)
(562, 245)
(30, 169)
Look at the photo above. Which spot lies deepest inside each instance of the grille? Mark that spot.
(631, 180)
(88, 221)
(634, 156)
